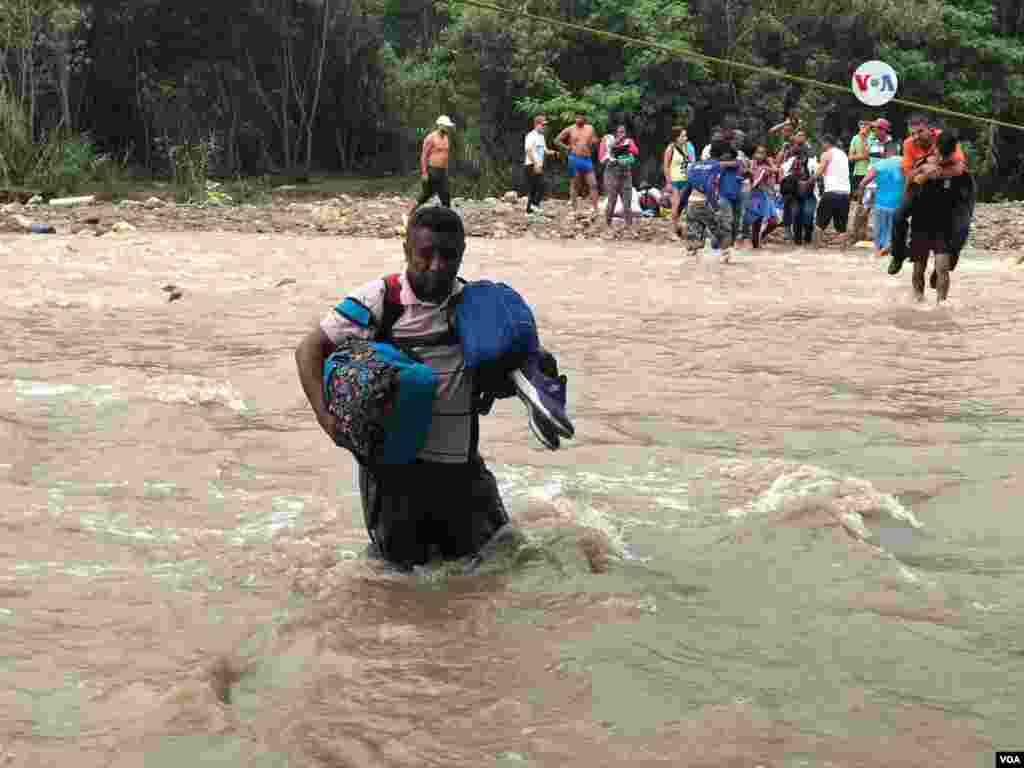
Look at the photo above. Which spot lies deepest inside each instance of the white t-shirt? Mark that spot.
(837, 175)
(535, 147)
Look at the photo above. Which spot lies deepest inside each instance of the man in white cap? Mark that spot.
(434, 164)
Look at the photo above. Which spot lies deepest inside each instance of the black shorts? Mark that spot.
(924, 243)
(415, 512)
(834, 207)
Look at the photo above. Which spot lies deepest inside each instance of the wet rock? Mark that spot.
(285, 281)
(154, 202)
(223, 674)
(174, 295)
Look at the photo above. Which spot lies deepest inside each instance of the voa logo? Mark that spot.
(1008, 759)
(875, 83)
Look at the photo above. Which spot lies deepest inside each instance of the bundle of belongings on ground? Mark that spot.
(649, 200)
(634, 204)
(382, 395)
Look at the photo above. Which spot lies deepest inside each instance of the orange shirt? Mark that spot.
(912, 152)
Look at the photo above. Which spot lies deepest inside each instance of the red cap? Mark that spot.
(882, 123)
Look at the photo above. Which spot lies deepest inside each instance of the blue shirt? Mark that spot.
(705, 179)
(889, 177)
(730, 184)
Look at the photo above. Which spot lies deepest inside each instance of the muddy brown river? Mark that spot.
(788, 533)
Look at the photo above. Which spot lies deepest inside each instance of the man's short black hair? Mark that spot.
(946, 143)
(919, 118)
(828, 139)
(437, 218)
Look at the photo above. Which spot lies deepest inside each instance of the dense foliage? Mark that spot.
(350, 85)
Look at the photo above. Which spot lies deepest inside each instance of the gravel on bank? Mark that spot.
(997, 226)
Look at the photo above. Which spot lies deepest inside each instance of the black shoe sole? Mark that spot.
(895, 265)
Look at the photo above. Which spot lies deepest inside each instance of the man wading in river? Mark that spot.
(581, 140)
(446, 502)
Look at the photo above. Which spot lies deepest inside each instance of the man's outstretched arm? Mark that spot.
(309, 359)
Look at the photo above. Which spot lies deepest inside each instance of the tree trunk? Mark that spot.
(311, 117)
(63, 60)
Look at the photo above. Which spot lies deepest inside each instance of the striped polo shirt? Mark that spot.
(451, 430)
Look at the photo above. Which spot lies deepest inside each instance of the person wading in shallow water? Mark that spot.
(434, 164)
(581, 139)
(445, 503)
(936, 228)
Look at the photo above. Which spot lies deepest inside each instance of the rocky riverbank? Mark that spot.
(997, 226)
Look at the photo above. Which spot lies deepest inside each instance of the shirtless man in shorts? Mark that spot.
(434, 164)
(579, 140)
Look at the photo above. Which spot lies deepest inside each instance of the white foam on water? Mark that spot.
(115, 526)
(676, 505)
(159, 488)
(195, 390)
(849, 499)
(586, 516)
(25, 389)
(97, 394)
(285, 513)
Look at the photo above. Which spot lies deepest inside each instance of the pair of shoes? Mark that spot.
(895, 265)
(543, 391)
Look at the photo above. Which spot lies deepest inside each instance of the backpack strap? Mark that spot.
(392, 308)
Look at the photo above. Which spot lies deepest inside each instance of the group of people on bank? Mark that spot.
(738, 191)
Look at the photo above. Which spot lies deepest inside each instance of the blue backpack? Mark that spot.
(381, 394)
(706, 177)
(382, 398)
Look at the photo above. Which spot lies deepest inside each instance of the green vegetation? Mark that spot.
(94, 95)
